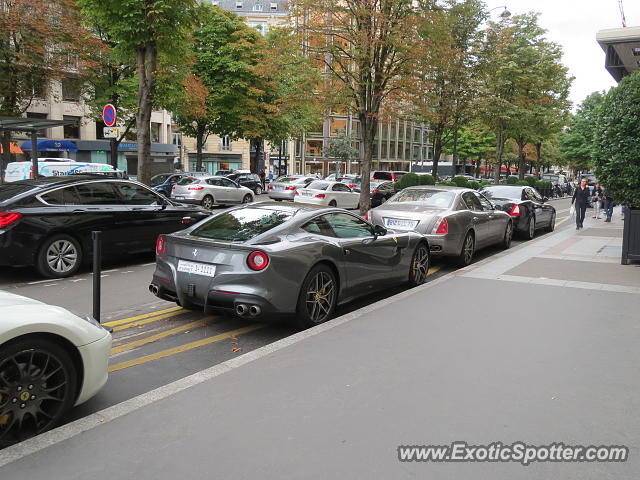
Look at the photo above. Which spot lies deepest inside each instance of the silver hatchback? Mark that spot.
(210, 191)
(285, 187)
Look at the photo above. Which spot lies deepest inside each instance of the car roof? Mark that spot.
(506, 186)
(66, 179)
(442, 188)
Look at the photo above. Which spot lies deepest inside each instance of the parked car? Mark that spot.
(380, 191)
(393, 176)
(50, 360)
(526, 207)
(164, 182)
(249, 180)
(558, 180)
(55, 167)
(318, 258)
(210, 191)
(224, 173)
(47, 223)
(340, 178)
(332, 194)
(284, 188)
(456, 221)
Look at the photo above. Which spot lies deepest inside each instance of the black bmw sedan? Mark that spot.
(47, 223)
(525, 205)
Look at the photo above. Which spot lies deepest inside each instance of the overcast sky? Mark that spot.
(573, 24)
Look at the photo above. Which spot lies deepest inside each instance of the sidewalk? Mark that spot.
(538, 344)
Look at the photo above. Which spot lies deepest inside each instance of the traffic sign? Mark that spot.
(111, 132)
(109, 115)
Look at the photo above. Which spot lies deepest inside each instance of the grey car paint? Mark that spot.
(487, 224)
(361, 264)
(277, 190)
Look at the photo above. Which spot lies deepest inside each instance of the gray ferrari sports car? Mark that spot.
(456, 221)
(272, 258)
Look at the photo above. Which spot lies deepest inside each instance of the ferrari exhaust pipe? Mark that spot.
(241, 309)
(153, 288)
(254, 310)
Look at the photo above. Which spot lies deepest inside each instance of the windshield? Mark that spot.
(502, 192)
(241, 225)
(428, 198)
(383, 176)
(187, 181)
(316, 185)
(10, 190)
(159, 179)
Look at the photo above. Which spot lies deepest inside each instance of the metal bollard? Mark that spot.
(97, 272)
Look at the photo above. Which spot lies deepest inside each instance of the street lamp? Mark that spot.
(505, 13)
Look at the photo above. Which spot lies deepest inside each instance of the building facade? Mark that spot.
(622, 49)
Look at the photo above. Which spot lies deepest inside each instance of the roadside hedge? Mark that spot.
(473, 184)
(512, 180)
(427, 179)
(460, 181)
(408, 180)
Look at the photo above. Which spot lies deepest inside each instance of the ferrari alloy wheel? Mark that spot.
(318, 297)
(37, 386)
(419, 266)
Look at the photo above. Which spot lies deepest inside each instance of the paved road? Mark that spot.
(156, 342)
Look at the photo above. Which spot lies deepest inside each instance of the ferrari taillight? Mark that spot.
(258, 260)
(515, 211)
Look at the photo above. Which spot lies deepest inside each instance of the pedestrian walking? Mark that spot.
(263, 176)
(581, 199)
(608, 205)
(597, 200)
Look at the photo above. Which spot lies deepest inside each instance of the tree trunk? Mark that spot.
(499, 151)
(539, 157)
(522, 158)
(199, 146)
(368, 124)
(146, 61)
(437, 151)
(454, 152)
(6, 153)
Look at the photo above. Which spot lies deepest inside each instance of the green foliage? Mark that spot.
(618, 142)
(543, 185)
(447, 184)
(512, 180)
(427, 179)
(408, 180)
(473, 184)
(577, 143)
(530, 180)
(460, 181)
(522, 183)
(484, 182)
(342, 148)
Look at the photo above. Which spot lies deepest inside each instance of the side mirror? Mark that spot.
(379, 231)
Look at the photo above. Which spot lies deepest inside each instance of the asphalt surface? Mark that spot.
(156, 343)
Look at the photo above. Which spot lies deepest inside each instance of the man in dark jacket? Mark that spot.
(581, 199)
(608, 205)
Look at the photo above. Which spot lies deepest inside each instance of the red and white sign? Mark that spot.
(109, 115)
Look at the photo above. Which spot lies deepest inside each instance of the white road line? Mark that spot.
(102, 276)
(148, 264)
(112, 270)
(39, 281)
(75, 280)
(128, 271)
(51, 285)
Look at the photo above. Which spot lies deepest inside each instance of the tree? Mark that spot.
(475, 143)
(155, 33)
(369, 48)
(617, 144)
(447, 72)
(39, 41)
(342, 149)
(577, 142)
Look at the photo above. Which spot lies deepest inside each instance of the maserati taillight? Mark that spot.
(515, 211)
(443, 228)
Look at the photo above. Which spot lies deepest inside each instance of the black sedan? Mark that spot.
(249, 180)
(525, 205)
(47, 223)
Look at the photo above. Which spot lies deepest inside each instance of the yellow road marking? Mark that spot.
(148, 320)
(139, 317)
(183, 348)
(434, 269)
(158, 336)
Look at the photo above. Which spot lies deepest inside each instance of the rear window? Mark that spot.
(188, 181)
(287, 179)
(241, 225)
(502, 192)
(383, 176)
(318, 185)
(429, 198)
(10, 190)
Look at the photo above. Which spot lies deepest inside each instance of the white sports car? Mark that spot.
(50, 360)
(329, 194)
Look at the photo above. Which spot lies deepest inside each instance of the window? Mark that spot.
(55, 197)
(340, 187)
(486, 204)
(95, 193)
(257, 7)
(71, 89)
(314, 148)
(318, 185)
(214, 181)
(225, 143)
(273, 6)
(73, 130)
(472, 201)
(338, 126)
(636, 51)
(133, 194)
(348, 226)
(155, 132)
(228, 183)
(188, 181)
(238, 4)
(241, 225)
(319, 226)
(426, 197)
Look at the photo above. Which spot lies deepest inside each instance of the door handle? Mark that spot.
(346, 251)
(475, 219)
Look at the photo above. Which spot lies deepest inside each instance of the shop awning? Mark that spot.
(13, 148)
(52, 146)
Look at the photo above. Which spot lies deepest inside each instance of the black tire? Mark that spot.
(468, 250)
(258, 190)
(333, 203)
(530, 232)
(247, 198)
(312, 309)
(207, 202)
(552, 223)
(420, 263)
(59, 256)
(508, 236)
(38, 385)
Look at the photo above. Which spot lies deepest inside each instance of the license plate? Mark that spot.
(399, 223)
(178, 197)
(278, 187)
(306, 194)
(196, 268)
